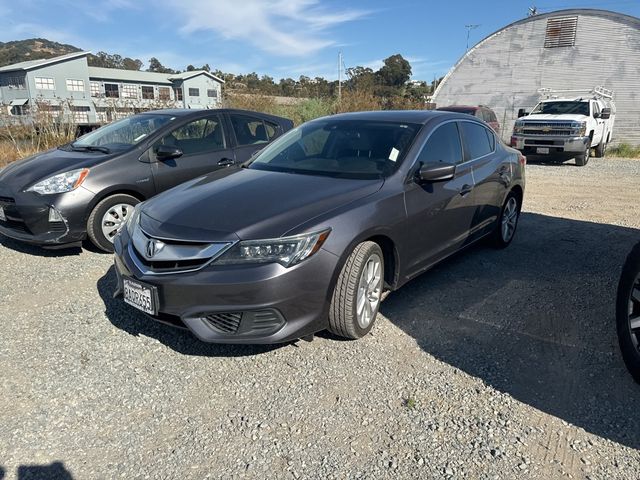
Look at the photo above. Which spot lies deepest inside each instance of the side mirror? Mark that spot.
(522, 113)
(167, 152)
(605, 114)
(436, 172)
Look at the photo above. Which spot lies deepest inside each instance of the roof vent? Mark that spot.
(561, 32)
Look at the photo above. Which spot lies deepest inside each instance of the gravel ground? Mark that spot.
(496, 364)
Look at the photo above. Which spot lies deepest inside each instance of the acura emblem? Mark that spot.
(153, 247)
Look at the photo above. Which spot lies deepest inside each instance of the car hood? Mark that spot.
(24, 173)
(565, 117)
(247, 204)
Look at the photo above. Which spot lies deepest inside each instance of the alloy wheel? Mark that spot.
(509, 219)
(634, 312)
(369, 291)
(114, 220)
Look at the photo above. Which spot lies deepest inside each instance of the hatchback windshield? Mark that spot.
(122, 134)
(558, 108)
(341, 148)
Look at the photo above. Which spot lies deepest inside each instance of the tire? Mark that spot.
(601, 149)
(626, 309)
(344, 319)
(582, 160)
(123, 206)
(509, 215)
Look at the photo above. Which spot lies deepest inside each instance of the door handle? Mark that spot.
(465, 190)
(226, 162)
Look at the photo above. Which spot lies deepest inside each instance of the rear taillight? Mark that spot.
(514, 141)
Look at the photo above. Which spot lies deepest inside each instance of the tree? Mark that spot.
(156, 66)
(360, 78)
(190, 68)
(395, 72)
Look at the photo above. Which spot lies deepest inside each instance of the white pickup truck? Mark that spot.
(566, 128)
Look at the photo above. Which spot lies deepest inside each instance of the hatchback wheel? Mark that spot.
(507, 222)
(358, 292)
(628, 313)
(108, 218)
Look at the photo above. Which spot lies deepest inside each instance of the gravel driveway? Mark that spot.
(496, 364)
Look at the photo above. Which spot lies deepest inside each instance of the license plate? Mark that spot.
(141, 296)
(544, 150)
(2, 215)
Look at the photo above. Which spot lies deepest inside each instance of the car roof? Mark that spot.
(402, 116)
(456, 108)
(183, 112)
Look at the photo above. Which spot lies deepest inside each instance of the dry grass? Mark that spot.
(20, 138)
(624, 150)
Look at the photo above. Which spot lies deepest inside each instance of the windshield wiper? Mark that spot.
(89, 148)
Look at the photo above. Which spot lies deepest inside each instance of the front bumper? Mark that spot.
(557, 144)
(298, 296)
(27, 216)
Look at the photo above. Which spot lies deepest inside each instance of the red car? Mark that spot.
(482, 112)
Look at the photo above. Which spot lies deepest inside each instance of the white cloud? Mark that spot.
(279, 27)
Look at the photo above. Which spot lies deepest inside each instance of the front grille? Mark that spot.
(170, 266)
(171, 256)
(15, 225)
(547, 128)
(224, 322)
(260, 322)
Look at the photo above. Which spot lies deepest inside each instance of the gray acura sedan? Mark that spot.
(311, 231)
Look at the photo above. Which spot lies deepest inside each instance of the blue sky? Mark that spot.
(281, 38)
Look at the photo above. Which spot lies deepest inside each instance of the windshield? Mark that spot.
(341, 148)
(558, 108)
(122, 134)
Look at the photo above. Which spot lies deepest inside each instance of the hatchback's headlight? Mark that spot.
(286, 251)
(61, 183)
(133, 219)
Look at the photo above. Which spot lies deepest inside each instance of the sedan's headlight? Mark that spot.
(133, 219)
(286, 251)
(61, 183)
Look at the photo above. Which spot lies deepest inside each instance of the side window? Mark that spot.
(596, 109)
(482, 114)
(476, 140)
(492, 139)
(492, 116)
(443, 146)
(251, 130)
(198, 136)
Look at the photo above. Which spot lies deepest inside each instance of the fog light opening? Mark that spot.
(54, 215)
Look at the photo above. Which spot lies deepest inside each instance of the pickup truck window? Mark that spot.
(560, 107)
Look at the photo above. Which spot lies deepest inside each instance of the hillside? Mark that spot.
(32, 49)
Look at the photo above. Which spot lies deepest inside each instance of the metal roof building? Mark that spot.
(575, 49)
(66, 85)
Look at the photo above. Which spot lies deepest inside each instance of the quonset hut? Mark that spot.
(576, 49)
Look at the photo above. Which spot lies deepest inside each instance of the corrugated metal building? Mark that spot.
(566, 49)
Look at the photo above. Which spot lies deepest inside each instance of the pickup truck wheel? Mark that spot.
(582, 160)
(601, 149)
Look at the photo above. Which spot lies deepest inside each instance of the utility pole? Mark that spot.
(339, 76)
(469, 28)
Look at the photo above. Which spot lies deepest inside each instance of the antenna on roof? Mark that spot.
(533, 11)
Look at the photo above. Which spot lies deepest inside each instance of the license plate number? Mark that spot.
(544, 150)
(2, 215)
(140, 296)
